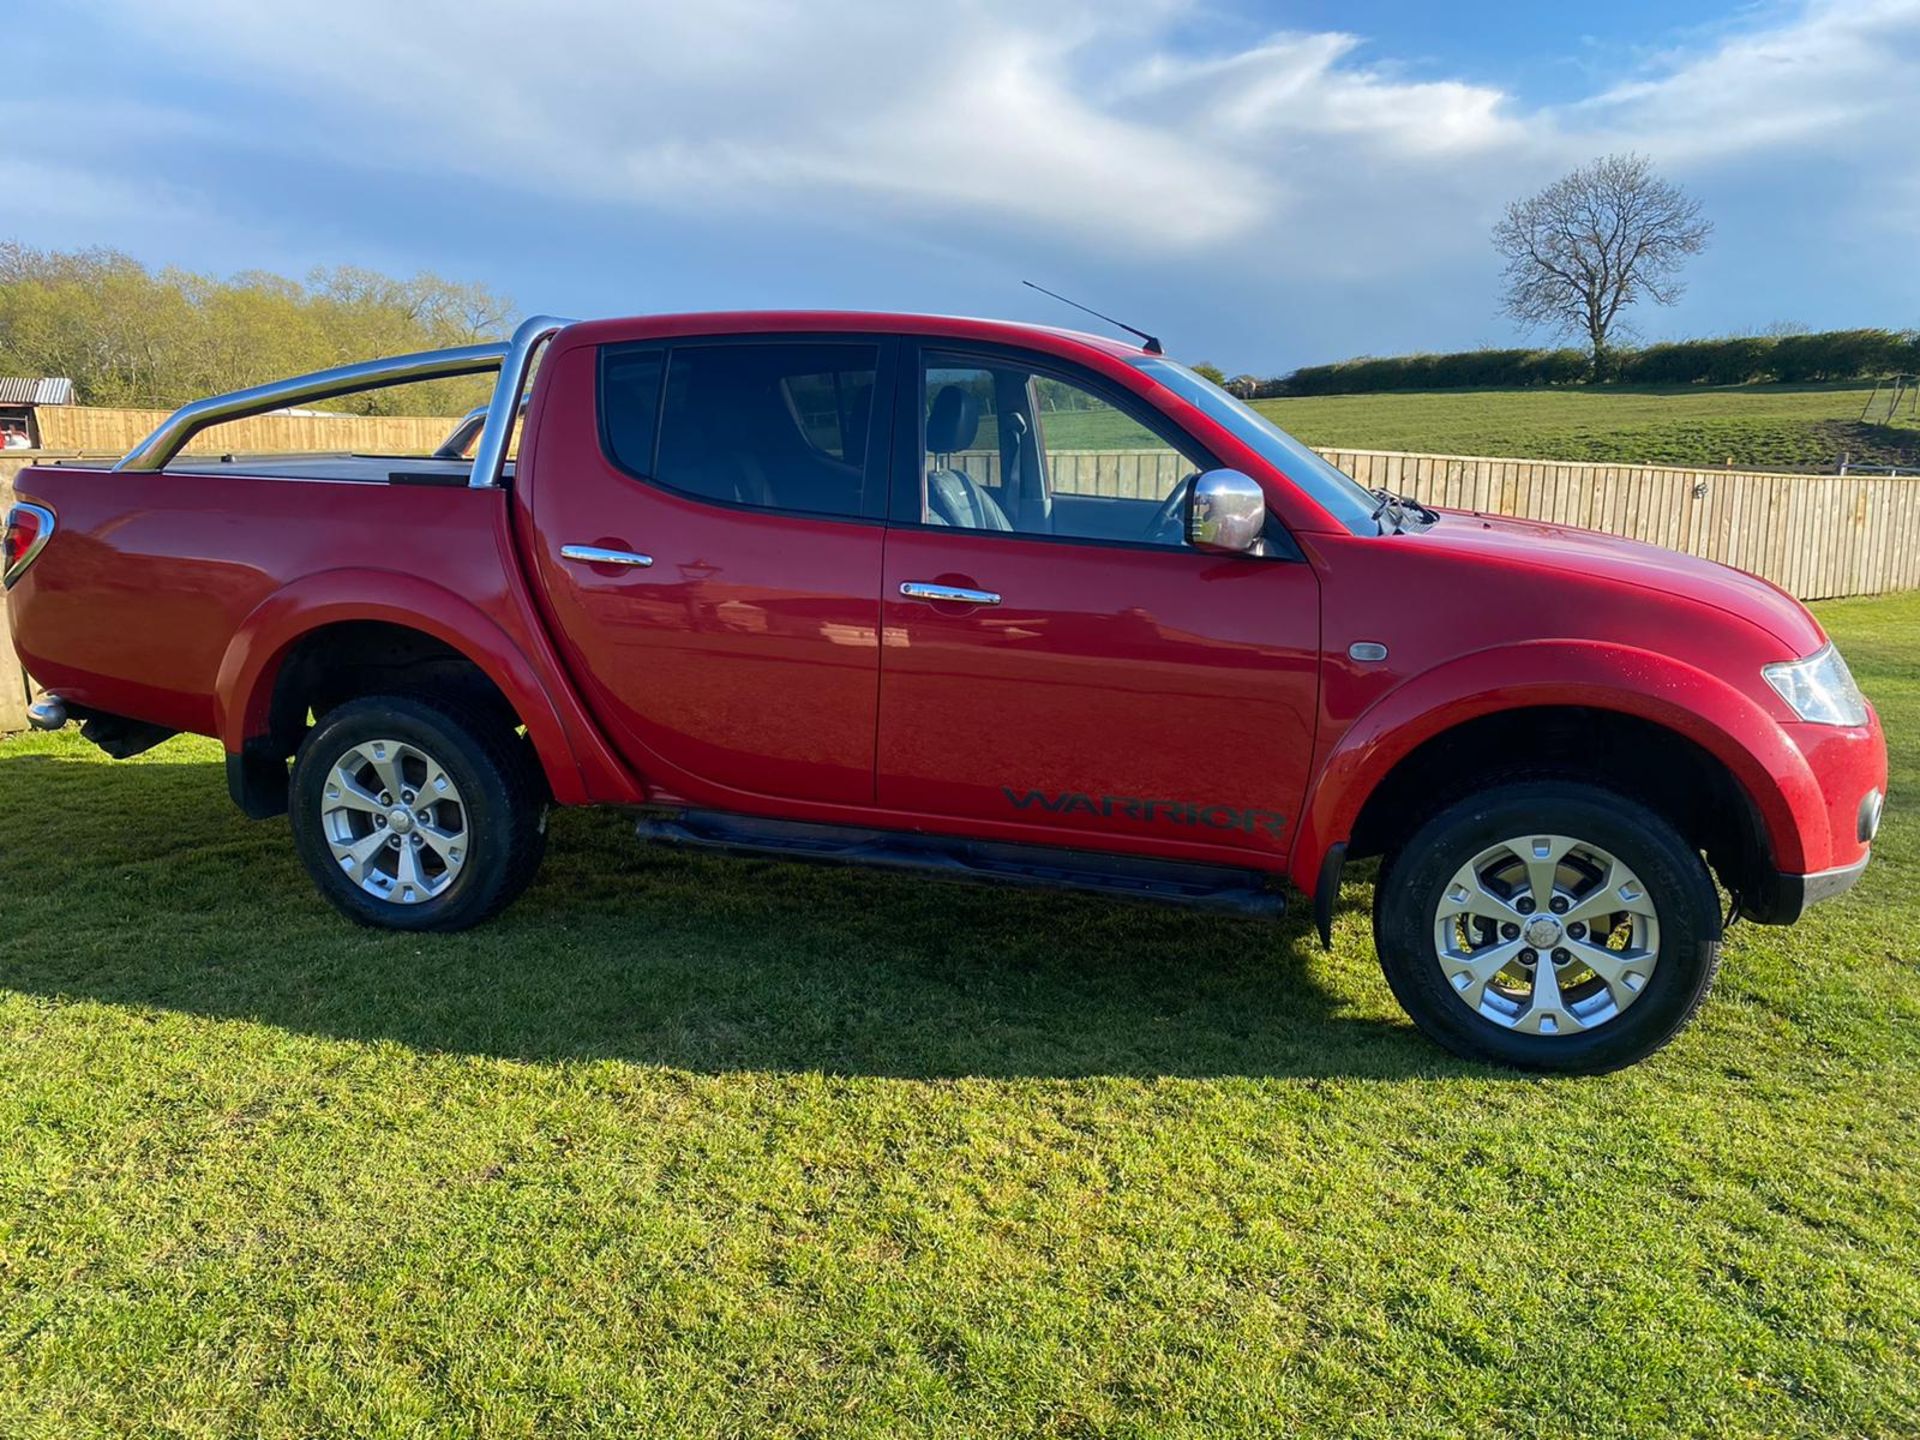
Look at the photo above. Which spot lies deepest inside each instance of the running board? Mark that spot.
(1131, 877)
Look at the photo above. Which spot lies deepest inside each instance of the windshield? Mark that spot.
(1336, 491)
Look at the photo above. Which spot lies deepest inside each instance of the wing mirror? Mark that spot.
(1226, 512)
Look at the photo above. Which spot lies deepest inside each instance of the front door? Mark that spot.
(711, 561)
(1055, 657)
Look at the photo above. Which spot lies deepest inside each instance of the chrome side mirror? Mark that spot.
(1226, 512)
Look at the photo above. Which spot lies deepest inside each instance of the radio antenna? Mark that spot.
(1149, 343)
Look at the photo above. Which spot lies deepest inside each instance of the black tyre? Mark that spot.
(416, 815)
(1548, 925)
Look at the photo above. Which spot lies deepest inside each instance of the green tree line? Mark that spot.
(1734, 360)
(130, 336)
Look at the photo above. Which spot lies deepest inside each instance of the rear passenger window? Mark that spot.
(630, 401)
(782, 426)
(832, 410)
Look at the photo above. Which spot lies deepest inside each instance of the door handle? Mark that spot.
(598, 555)
(952, 594)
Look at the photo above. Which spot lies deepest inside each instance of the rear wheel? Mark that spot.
(414, 815)
(1548, 925)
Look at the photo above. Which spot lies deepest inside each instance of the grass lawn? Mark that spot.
(1770, 427)
(1773, 427)
(687, 1146)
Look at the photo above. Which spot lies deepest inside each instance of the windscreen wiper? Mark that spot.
(1389, 502)
(1400, 505)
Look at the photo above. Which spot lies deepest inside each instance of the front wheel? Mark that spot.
(414, 815)
(1548, 925)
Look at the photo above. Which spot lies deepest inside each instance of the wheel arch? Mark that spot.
(276, 642)
(1430, 733)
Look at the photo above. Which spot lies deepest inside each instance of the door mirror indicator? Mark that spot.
(1226, 512)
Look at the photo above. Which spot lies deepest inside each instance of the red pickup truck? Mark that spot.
(983, 599)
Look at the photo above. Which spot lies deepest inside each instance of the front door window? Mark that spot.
(1012, 448)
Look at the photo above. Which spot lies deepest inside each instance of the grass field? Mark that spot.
(684, 1146)
(1770, 427)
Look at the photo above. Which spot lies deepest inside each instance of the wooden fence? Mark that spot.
(114, 432)
(1817, 536)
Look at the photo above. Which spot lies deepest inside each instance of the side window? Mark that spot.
(1021, 450)
(832, 409)
(630, 405)
(784, 426)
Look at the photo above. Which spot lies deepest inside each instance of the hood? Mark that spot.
(1542, 545)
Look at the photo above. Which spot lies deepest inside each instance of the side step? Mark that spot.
(1131, 877)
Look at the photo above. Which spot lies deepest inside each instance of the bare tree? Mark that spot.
(1594, 242)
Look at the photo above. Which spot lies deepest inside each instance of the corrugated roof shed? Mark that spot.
(35, 392)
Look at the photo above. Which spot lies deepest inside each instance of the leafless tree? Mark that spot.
(1608, 235)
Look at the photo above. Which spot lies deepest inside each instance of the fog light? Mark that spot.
(1870, 809)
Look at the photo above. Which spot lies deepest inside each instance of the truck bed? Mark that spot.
(158, 575)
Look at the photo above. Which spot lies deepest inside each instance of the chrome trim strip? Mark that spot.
(177, 429)
(47, 526)
(495, 435)
(953, 594)
(597, 555)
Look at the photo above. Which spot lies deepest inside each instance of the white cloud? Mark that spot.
(1836, 75)
(1085, 127)
(1080, 120)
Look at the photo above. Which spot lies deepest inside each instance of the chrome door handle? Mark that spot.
(953, 594)
(596, 555)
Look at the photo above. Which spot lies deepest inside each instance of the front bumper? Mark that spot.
(1781, 899)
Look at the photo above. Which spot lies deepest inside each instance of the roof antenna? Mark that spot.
(1149, 343)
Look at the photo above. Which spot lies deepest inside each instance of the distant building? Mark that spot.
(19, 399)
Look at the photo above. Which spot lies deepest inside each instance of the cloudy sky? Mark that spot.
(1265, 184)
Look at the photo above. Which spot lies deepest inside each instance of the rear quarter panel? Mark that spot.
(169, 598)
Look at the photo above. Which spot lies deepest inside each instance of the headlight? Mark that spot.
(1819, 688)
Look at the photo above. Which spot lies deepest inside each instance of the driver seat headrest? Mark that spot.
(953, 420)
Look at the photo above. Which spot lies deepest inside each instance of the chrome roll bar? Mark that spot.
(454, 447)
(461, 436)
(512, 358)
(491, 452)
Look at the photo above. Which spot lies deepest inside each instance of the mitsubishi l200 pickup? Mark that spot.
(984, 599)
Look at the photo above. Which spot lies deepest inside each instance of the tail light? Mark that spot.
(29, 527)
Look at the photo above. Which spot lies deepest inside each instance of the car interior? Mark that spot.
(987, 461)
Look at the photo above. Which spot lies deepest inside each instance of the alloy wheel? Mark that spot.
(394, 820)
(1546, 934)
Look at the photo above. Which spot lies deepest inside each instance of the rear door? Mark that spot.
(1056, 657)
(710, 551)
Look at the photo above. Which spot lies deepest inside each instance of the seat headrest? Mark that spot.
(953, 421)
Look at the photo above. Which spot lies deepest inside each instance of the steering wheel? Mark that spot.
(1168, 526)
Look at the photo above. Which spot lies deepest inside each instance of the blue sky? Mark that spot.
(1265, 185)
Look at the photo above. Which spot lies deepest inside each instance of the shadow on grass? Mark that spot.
(139, 885)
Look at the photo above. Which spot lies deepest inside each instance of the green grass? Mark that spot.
(686, 1146)
(1772, 427)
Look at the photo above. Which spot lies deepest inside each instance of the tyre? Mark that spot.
(416, 815)
(1548, 925)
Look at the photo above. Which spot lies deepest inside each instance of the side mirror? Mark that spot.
(1226, 512)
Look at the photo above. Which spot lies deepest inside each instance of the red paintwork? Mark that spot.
(768, 664)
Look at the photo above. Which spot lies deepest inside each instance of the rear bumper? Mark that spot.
(1781, 899)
